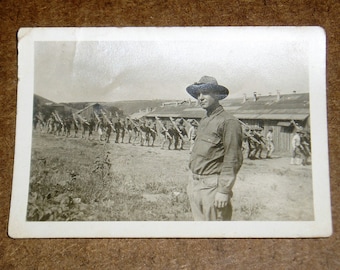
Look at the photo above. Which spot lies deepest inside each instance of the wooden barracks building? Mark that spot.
(281, 112)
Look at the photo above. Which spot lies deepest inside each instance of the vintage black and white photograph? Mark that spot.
(171, 132)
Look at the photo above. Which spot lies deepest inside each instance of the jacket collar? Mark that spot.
(216, 111)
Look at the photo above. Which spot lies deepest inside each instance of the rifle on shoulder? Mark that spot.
(167, 134)
(175, 125)
(248, 134)
(108, 120)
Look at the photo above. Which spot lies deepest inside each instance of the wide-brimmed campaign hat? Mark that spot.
(207, 85)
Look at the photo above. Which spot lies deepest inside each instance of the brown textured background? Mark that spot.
(164, 253)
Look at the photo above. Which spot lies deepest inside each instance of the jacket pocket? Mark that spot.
(207, 146)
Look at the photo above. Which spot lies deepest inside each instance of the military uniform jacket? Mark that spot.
(218, 148)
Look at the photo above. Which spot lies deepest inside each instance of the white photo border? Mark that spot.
(321, 226)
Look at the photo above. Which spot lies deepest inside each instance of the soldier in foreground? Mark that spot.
(216, 156)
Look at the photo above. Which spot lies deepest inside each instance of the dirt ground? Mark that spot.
(265, 190)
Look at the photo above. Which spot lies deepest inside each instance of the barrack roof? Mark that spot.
(273, 107)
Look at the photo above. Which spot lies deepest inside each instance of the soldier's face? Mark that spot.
(207, 100)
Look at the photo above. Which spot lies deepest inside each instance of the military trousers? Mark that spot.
(201, 191)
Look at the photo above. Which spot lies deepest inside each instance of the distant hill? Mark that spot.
(77, 105)
(122, 107)
(41, 100)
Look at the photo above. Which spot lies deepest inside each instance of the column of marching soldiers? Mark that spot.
(255, 143)
(173, 133)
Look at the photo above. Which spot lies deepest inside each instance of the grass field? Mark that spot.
(76, 179)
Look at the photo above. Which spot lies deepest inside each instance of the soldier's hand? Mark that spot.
(221, 200)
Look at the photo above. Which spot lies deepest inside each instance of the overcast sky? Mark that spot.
(69, 71)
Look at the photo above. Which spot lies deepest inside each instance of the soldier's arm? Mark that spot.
(232, 142)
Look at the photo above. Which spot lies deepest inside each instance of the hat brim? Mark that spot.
(219, 91)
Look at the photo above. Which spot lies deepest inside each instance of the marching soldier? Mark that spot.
(172, 132)
(153, 132)
(129, 128)
(108, 131)
(251, 144)
(92, 125)
(307, 142)
(35, 122)
(245, 147)
(40, 122)
(67, 126)
(58, 127)
(76, 127)
(136, 132)
(117, 127)
(296, 146)
(144, 133)
(49, 125)
(260, 145)
(305, 147)
(85, 126)
(270, 144)
(100, 127)
(122, 130)
(166, 133)
(192, 133)
(179, 133)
